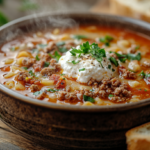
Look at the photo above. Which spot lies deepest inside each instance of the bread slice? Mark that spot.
(139, 9)
(139, 138)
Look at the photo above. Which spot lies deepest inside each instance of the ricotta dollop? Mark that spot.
(86, 67)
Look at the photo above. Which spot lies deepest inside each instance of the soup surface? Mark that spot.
(88, 65)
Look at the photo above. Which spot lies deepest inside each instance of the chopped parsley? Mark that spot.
(145, 90)
(64, 78)
(62, 74)
(56, 55)
(144, 75)
(12, 49)
(88, 98)
(52, 90)
(109, 66)
(32, 73)
(37, 58)
(46, 64)
(61, 43)
(137, 47)
(74, 62)
(114, 61)
(113, 69)
(78, 37)
(37, 93)
(25, 68)
(132, 71)
(106, 40)
(110, 95)
(62, 49)
(81, 69)
(42, 45)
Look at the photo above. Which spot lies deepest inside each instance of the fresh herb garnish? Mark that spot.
(42, 45)
(64, 78)
(78, 37)
(37, 58)
(81, 69)
(109, 66)
(61, 43)
(137, 47)
(92, 90)
(37, 93)
(25, 68)
(12, 49)
(110, 95)
(113, 69)
(46, 64)
(62, 49)
(145, 90)
(144, 75)
(134, 57)
(114, 61)
(88, 98)
(56, 55)
(74, 62)
(106, 40)
(62, 74)
(32, 73)
(52, 90)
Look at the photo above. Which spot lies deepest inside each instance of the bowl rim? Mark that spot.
(77, 108)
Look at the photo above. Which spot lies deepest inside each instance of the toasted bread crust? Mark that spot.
(121, 9)
(137, 140)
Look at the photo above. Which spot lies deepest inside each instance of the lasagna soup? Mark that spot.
(88, 65)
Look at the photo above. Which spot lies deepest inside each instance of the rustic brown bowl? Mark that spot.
(70, 127)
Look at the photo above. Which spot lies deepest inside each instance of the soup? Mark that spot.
(88, 65)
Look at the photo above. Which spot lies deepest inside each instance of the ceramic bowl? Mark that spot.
(68, 126)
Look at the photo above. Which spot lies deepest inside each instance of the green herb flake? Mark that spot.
(88, 98)
(25, 68)
(110, 95)
(52, 90)
(46, 64)
(61, 43)
(78, 37)
(37, 93)
(132, 71)
(106, 40)
(81, 69)
(42, 45)
(37, 58)
(56, 55)
(140, 89)
(12, 49)
(74, 62)
(62, 74)
(114, 61)
(137, 47)
(109, 66)
(62, 49)
(64, 78)
(142, 74)
(145, 90)
(113, 69)
(31, 73)
(134, 56)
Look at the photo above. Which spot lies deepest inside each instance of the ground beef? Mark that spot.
(34, 88)
(42, 95)
(56, 65)
(63, 95)
(21, 76)
(46, 57)
(126, 73)
(28, 62)
(47, 71)
(51, 47)
(132, 49)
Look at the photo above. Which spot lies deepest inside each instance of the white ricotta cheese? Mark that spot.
(90, 67)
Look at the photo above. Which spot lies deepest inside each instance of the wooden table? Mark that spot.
(10, 140)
